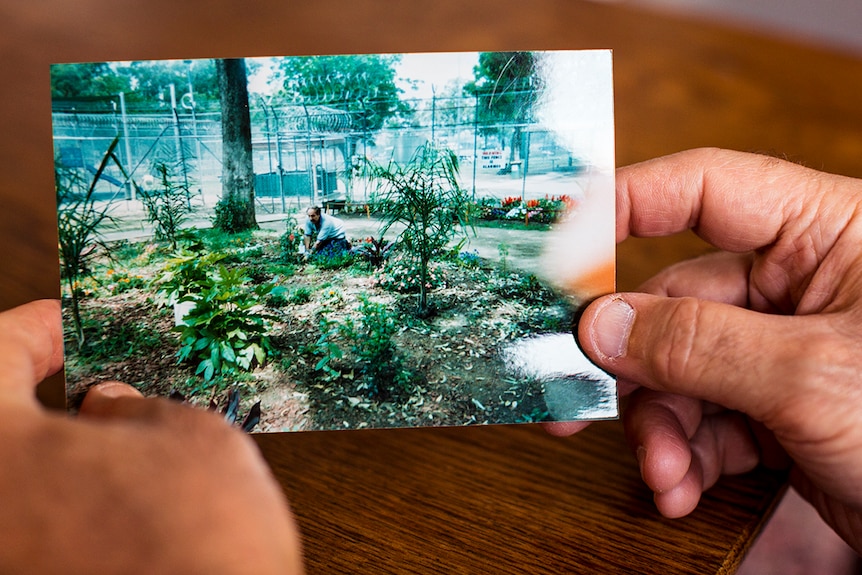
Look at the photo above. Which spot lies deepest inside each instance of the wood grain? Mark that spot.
(490, 500)
(504, 499)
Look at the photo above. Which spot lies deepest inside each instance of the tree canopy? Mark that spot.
(145, 83)
(364, 85)
(507, 84)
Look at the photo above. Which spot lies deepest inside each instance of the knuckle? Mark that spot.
(675, 356)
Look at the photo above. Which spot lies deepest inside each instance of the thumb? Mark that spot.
(702, 349)
(102, 400)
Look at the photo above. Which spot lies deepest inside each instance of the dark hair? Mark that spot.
(315, 208)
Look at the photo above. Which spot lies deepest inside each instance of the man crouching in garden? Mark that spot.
(329, 230)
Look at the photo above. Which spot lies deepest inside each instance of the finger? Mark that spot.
(564, 428)
(31, 345)
(720, 277)
(723, 445)
(658, 427)
(113, 401)
(736, 201)
(100, 398)
(683, 498)
(706, 350)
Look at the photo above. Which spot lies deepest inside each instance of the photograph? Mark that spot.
(332, 242)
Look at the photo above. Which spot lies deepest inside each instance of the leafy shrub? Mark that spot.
(327, 348)
(290, 241)
(300, 295)
(224, 331)
(374, 251)
(370, 339)
(231, 214)
(183, 274)
(121, 281)
(373, 347)
(117, 340)
(525, 288)
(281, 296)
(402, 275)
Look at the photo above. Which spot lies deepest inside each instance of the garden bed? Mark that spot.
(447, 369)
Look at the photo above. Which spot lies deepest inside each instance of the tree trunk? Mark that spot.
(237, 167)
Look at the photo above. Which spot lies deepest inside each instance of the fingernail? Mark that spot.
(612, 326)
(114, 389)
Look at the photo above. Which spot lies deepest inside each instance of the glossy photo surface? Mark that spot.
(339, 241)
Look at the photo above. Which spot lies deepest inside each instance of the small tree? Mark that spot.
(80, 222)
(424, 196)
(167, 205)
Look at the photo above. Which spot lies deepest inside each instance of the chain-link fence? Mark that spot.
(306, 153)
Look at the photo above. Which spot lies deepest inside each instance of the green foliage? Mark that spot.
(503, 251)
(402, 275)
(116, 339)
(290, 241)
(507, 85)
(425, 198)
(81, 220)
(535, 416)
(365, 85)
(134, 254)
(183, 274)
(300, 295)
(122, 281)
(141, 81)
(374, 251)
(167, 206)
(327, 348)
(525, 288)
(373, 347)
(90, 80)
(231, 215)
(224, 331)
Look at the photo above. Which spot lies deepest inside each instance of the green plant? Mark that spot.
(402, 275)
(374, 251)
(503, 251)
(121, 281)
(225, 331)
(231, 214)
(327, 348)
(535, 416)
(290, 241)
(114, 339)
(183, 273)
(525, 288)
(424, 196)
(300, 295)
(81, 220)
(167, 206)
(374, 348)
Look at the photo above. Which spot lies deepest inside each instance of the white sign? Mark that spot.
(492, 159)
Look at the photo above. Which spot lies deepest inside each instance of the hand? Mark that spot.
(751, 354)
(132, 485)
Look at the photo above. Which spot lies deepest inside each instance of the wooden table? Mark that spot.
(506, 499)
